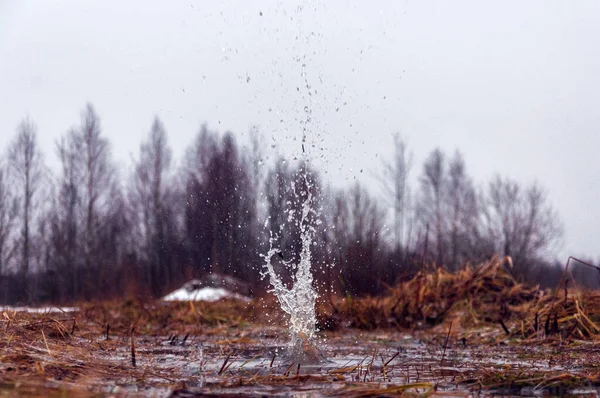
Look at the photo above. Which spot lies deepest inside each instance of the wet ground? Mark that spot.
(76, 354)
(250, 361)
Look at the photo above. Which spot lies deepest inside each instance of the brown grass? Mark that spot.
(80, 353)
(475, 294)
(55, 354)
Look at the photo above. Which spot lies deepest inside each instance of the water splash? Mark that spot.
(299, 300)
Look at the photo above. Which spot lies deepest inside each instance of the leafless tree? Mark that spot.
(394, 182)
(462, 211)
(431, 200)
(521, 221)
(448, 205)
(98, 177)
(8, 216)
(148, 198)
(361, 266)
(65, 223)
(199, 222)
(255, 163)
(278, 192)
(87, 221)
(219, 206)
(26, 165)
(339, 220)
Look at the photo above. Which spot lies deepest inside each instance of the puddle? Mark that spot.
(357, 362)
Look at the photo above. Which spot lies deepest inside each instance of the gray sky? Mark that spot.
(514, 85)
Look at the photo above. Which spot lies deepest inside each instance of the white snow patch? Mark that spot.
(204, 294)
(191, 292)
(38, 310)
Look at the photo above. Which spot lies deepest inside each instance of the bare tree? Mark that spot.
(198, 221)
(148, 199)
(278, 194)
(87, 222)
(98, 176)
(521, 221)
(449, 206)
(430, 207)
(394, 182)
(26, 165)
(462, 211)
(65, 223)
(8, 216)
(220, 206)
(254, 162)
(362, 267)
(339, 220)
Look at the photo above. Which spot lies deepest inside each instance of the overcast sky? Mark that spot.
(515, 85)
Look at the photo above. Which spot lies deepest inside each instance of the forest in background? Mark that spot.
(88, 230)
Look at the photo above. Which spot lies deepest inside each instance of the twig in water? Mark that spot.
(288, 369)
(251, 359)
(108, 331)
(298, 370)
(391, 359)
(272, 360)
(504, 327)
(201, 357)
(382, 366)
(373, 358)
(446, 343)
(229, 364)
(224, 363)
(45, 341)
(133, 363)
(370, 365)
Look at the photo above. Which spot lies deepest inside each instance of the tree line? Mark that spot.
(89, 230)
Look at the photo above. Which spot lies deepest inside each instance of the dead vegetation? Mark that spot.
(475, 294)
(106, 347)
(145, 347)
(472, 297)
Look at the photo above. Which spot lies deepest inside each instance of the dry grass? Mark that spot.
(471, 297)
(485, 293)
(90, 351)
(574, 316)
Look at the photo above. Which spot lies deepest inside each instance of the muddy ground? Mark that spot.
(236, 348)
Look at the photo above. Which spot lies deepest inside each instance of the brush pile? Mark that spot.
(486, 292)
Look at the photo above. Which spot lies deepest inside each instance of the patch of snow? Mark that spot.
(38, 310)
(192, 292)
(203, 294)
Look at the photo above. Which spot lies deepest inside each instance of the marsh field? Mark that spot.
(476, 332)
